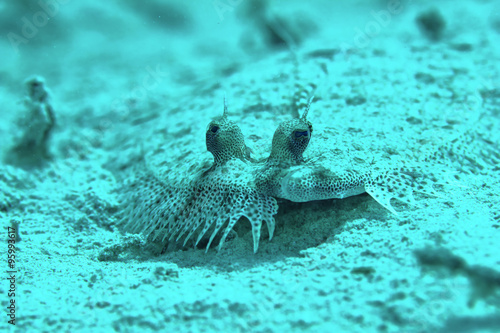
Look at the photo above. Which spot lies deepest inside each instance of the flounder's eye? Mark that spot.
(214, 128)
(298, 134)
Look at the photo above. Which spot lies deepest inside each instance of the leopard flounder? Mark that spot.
(235, 185)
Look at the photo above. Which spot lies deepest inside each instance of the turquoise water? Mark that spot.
(107, 109)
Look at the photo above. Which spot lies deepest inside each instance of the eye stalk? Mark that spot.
(225, 140)
(290, 140)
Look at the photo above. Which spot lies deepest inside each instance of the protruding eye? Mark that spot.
(298, 134)
(214, 128)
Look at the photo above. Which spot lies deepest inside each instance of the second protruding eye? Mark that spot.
(298, 134)
(214, 128)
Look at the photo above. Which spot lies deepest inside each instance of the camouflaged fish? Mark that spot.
(169, 209)
(235, 186)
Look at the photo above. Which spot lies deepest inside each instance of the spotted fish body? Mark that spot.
(308, 183)
(312, 182)
(177, 208)
(235, 186)
(287, 175)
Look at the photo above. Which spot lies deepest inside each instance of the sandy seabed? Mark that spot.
(129, 79)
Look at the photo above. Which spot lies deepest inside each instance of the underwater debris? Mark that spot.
(274, 30)
(14, 225)
(431, 24)
(34, 126)
(484, 281)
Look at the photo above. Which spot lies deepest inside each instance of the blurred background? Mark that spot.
(95, 52)
(64, 38)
